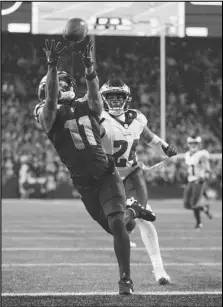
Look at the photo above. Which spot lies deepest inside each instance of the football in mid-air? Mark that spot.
(75, 30)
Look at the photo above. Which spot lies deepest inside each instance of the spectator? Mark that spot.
(193, 93)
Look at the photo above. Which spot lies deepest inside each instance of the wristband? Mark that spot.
(156, 140)
(53, 62)
(157, 144)
(92, 76)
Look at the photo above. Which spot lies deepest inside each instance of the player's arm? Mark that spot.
(205, 164)
(48, 112)
(103, 131)
(159, 145)
(93, 94)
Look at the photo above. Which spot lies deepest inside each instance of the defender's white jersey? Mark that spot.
(121, 140)
(196, 168)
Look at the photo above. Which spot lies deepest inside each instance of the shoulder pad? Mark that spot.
(138, 116)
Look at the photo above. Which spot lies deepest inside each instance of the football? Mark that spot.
(75, 30)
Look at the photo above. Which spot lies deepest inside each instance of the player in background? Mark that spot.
(72, 125)
(197, 161)
(122, 128)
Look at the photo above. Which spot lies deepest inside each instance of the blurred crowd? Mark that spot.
(193, 102)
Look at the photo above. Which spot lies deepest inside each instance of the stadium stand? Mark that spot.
(194, 95)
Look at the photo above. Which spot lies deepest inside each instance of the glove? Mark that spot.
(170, 150)
(86, 55)
(53, 53)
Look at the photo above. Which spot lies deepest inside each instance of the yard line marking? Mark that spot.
(37, 294)
(23, 265)
(104, 249)
(91, 230)
(102, 237)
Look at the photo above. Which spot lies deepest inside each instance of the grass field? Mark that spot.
(53, 254)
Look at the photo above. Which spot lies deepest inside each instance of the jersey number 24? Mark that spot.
(123, 148)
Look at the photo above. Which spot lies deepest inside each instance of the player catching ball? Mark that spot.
(73, 127)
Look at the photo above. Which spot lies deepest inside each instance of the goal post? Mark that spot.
(163, 85)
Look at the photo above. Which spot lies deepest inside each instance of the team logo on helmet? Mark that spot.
(113, 88)
(68, 87)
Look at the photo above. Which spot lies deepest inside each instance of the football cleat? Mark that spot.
(125, 286)
(139, 211)
(207, 211)
(199, 226)
(161, 277)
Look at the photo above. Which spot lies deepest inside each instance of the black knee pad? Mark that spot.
(116, 222)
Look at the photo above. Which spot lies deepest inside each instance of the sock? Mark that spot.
(197, 215)
(151, 242)
(121, 243)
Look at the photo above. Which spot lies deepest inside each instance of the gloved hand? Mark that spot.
(53, 53)
(86, 55)
(170, 150)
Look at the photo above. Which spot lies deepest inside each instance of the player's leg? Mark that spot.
(189, 202)
(206, 204)
(195, 194)
(92, 204)
(198, 202)
(113, 202)
(111, 219)
(135, 186)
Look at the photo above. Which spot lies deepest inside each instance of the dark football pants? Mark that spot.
(106, 198)
(192, 194)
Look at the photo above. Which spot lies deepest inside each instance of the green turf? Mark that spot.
(65, 224)
(113, 301)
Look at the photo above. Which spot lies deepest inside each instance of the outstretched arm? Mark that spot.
(93, 94)
(159, 145)
(48, 113)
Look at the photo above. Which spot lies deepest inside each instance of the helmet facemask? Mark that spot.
(194, 144)
(116, 97)
(67, 88)
(115, 103)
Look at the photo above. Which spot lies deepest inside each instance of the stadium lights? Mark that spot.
(102, 21)
(114, 21)
(11, 9)
(197, 31)
(19, 27)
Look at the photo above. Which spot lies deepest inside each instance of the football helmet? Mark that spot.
(193, 142)
(115, 106)
(67, 85)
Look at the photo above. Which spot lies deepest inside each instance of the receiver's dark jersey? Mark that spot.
(76, 136)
